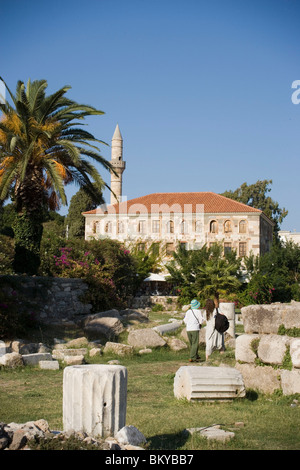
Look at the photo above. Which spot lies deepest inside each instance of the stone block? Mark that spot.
(61, 353)
(35, 358)
(290, 382)
(106, 326)
(11, 360)
(261, 319)
(212, 433)
(130, 435)
(243, 348)
(272, 348)
(295, 352)
(95, 399)
(176, 344)
(265, 379)
(145, 337)
(208, 383)
(168, 328)
(118, 348)
(73, 360)
(50, 365)
(266, 319)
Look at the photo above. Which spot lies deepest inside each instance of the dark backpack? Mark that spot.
(221, 322)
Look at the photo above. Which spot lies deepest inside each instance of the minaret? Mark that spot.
(118, 165)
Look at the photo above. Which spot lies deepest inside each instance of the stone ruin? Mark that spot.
(95, 399)
(95, 396)
(267, 356)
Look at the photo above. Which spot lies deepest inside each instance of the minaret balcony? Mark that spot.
(118, 164)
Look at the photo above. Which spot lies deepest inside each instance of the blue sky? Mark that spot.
(201, 89)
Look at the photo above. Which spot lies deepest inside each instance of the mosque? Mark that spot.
(189, 218)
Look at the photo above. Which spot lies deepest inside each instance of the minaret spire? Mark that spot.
(118, 165)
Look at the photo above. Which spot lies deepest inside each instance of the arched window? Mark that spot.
(108, 227)
(95, 226)
(182, 227)
(227, 226)
(213, 227)
(120, 227)
(141, 228)
(243, 226)
(170, 226)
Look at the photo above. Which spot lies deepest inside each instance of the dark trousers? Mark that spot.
(193, 337)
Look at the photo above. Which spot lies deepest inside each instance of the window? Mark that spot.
(155, 226)
(170, 226)
(227, 247)
(183, 227)
(108, 227)
(95, 226)
(141, 226)
(213, 227)
(120, 227)
(227, 226)
(243, 226)
(242, 249)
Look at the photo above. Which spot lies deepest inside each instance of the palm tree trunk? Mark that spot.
(216, 299)
(28, 228)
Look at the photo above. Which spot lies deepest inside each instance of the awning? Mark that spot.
(155, 277)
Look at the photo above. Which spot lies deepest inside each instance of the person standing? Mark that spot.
(214, 339)
(193, 320)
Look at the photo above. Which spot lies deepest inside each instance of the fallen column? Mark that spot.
(208, 383)
(94, 399)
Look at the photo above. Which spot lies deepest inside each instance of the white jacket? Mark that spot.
(193, 319)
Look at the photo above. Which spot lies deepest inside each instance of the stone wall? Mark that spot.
(50, 299)
(144, 301)
(267, 360)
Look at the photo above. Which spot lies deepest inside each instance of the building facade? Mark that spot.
(191, 219)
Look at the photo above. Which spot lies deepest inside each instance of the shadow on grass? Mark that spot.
(251, 395)
(167, 441)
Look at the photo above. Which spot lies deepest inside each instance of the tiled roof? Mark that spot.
(167, 202)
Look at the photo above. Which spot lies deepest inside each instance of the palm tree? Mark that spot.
(42, 149)
(218, 275)
(183, 267)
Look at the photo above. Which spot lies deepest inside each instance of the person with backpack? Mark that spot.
(193, 320)
(214, 338)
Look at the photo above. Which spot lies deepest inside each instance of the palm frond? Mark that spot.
(43, 135)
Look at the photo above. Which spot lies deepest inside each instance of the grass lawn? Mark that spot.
(270, 422)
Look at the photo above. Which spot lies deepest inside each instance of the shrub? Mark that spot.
(157, 308)
(6, 254)
(260, 290)
(294, 332)
(105, 265)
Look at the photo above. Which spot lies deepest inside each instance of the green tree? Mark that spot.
(274, 276)
(255, 195)
(42, 149)
(218, 274)
(204, 272)
(7, 218)
(80, 202)
(183, 267)
(147, 260)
